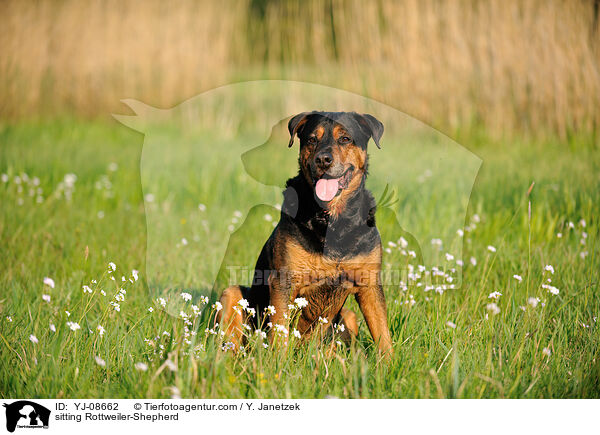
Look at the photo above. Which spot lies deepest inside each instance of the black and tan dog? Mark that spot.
(326, 245)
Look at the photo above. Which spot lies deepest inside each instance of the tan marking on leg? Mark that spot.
(228, 318)
(372, 305)
(348, 319)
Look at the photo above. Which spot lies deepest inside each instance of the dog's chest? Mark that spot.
(316, 273)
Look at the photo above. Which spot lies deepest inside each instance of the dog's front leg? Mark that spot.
(280, 290)
(372, 304)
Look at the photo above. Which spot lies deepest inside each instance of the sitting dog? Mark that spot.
(326, 245)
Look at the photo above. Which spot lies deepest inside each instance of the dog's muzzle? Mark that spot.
(328, 187)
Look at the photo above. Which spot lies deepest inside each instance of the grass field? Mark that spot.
(538, 339)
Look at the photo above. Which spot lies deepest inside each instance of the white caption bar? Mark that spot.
(23, 416)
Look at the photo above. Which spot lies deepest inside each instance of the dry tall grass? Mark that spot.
(526, 65)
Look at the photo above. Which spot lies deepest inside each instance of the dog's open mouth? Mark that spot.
(327, 188)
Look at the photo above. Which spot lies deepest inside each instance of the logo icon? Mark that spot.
(26, 414)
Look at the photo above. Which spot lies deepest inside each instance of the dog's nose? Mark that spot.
(324, 160)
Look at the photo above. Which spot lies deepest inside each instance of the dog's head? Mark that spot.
(333, 151)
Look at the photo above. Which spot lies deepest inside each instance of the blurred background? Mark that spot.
(186, 193)
(508, 66)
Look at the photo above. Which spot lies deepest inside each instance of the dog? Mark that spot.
(326, 245)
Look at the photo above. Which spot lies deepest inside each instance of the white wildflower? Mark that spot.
(49, 282)
(171, 365)
(494, 295)
(140, 366)
(33, 339)
(46, 298)
(549, 268)
(491, 248)
(74, 326)
(450, 324)
(493, 308)
(270, 310)
(280, 329)
(100, 361)
(518, 278)
(301, 302)
(186, 296)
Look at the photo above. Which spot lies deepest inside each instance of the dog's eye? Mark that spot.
(344, 140)
(312, 140)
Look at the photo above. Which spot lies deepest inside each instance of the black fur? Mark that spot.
(351, 233)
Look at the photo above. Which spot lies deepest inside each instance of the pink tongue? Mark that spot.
(326, 189)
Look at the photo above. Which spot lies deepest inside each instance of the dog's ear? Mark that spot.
(370, 125)
(296, 123)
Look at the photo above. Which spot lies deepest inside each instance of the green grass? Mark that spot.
(495, 356)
